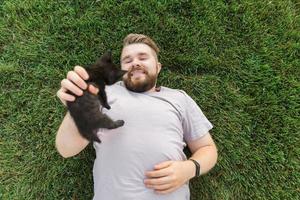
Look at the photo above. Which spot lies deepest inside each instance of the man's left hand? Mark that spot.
(169, 175)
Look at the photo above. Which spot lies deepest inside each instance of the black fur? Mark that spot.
(85, 110)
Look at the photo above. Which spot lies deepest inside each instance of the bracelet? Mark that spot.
(197, 167)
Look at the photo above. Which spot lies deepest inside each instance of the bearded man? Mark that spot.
(143, 159)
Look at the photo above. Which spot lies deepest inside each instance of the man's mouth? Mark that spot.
(137, 73)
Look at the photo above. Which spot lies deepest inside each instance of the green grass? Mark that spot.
(239, 60)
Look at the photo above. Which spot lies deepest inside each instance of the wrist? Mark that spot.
(191, 170)
(196, 167)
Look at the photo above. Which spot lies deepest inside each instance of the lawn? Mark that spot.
(239, 60)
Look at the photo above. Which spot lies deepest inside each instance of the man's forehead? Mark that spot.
(136, 49)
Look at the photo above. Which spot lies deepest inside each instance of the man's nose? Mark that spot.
(136, 64)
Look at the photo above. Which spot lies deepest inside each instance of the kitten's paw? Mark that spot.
(107, 106)
(120, 122)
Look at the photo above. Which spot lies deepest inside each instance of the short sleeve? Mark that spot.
(194, 122)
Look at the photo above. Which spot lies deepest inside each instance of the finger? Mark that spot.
(163, 164)
(75, 78)
(81, 72)
(158, 173)
(93, 89)
(63, 96)
(166, 191)
(159, 181)
(160, 187)
(67, 84)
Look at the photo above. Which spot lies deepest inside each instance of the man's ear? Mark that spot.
(159, 65)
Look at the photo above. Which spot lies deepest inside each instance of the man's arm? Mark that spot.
(170, 175)
(204, 151)
(69, 142)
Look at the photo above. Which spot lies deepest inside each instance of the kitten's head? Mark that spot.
(107, 70)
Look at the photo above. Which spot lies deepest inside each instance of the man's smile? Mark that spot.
(137, 73)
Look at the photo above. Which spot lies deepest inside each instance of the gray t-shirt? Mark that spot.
(157, 127)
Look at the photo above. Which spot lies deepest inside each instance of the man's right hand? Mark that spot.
(75, 82)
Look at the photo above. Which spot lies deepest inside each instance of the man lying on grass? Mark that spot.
(144, 158)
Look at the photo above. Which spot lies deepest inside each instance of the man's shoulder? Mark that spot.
(176, 92)
(116, 88)
(117, 85)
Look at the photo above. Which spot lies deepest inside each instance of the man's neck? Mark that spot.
(154, 89)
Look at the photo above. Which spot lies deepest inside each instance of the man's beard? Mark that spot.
(142, 84)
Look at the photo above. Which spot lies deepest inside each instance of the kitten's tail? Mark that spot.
(91, 135)
(94, 137)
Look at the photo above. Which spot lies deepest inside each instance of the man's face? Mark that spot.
(142, 65)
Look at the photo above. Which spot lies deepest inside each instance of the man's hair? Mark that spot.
(134, 38)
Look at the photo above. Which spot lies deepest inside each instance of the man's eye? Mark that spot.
(127, 61)
(143, 58)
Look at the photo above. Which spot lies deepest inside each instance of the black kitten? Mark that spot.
(85, 110)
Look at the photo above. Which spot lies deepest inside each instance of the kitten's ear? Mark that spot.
(106, 57)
